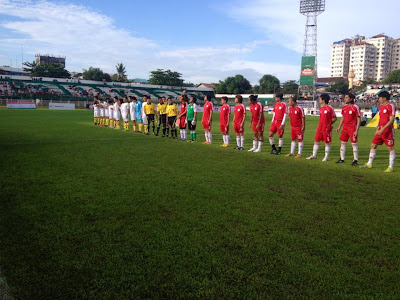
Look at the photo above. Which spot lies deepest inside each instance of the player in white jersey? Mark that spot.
(132, 111)
(125, 113)
(96, 111)
(117, 113)
(105, 105)
(111, 113)
(102, 113)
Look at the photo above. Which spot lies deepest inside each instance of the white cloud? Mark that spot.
(90, 38)
(280, 22)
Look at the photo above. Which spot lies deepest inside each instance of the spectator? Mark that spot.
(364, 120)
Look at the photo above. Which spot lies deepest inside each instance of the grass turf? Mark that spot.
(91, 212)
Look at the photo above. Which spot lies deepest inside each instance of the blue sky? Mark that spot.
(204, 40)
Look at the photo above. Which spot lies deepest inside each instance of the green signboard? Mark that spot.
(307, 70)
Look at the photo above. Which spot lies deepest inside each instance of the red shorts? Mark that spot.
(182, 123)
(206, 125)
(275, 125)
(261, 129)
(224, 128)
(386, 137)
(297, 134)
(348, 133)
(324, 135)
(238, 128)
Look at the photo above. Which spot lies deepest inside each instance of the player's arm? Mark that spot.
(259, 118)
(244, 118)
(195, 112)
(391, 121)
(233, 121)
(283, 122)
(358, 126)
(211, 113)
(303, 124)
(340, 124)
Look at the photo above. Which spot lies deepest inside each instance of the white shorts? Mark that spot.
(125, 119)
(96, 114)
(101, 113)
(145, 120)
(133, 117)
(106, 113)
(117, 116)
(110, 115)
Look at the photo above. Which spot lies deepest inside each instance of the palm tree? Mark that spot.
(121, 71)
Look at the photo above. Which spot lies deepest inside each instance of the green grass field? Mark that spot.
(92, 212)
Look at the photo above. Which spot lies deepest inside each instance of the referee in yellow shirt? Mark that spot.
(149, 109)
(172, 112)
(162, 115)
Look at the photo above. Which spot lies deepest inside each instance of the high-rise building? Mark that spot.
(47, 59)
(372, 58)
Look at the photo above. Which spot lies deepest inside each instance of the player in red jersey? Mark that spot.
(225, 112)
(207, 119)
(385, 131)
(297, 126)
(327, 117)
(257, 121)
(351, 120)
(238, 122)
(278, 123)
(182, 117)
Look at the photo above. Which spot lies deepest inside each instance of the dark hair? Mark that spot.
(325, 97)
(279, 95)
(351, 96)
(224, 98)
(110, 101)
(240, 98)
(159, 98)
(169, 98)
(253, 97)
(194, 99)
(293, 99)
(208, 97)
(116, 97)
(184, 97)
(95, 97)
(384, 94)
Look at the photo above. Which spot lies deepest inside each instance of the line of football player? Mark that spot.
(143, 116)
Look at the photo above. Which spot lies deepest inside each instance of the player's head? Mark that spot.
(163, 98)
(238, 99)
(144, 98)
(384, 96)
(207, 98)
(324, 99)
(110, 101)
(278, 97)
(224, 100)
(160, 100)
(349, 98)
(125, 100)
(116, 99)
(397, 118)
(292, 101)
(183, 98)
(169, 100)
(148, 99)
(253, 99)
(96, 98)
(193, 100)
(95, 101)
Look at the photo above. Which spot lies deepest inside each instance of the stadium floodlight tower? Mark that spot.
(311, 9)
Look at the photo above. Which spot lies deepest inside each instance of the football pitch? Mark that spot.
(94, 212)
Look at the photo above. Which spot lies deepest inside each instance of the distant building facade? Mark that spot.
(48, 59)
(372, 58)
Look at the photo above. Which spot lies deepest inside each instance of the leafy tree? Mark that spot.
(95, 74)
(233, 85)
(268, 84)
(290, 87)
(341, 86)
(46, 70)
(121, 73)
(168, 77)
(393, 77)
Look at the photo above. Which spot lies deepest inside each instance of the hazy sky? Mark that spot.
(204, 40)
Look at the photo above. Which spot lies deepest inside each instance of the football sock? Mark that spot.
(355, 151)
(228, 139)
(259, 145)
(272, 142)
(140, 126)
(372, 154)
(154, 128)
(158, 129)
(301, 145)
(210, 136)
(280, 143)
(315, 149)
(327, 150)
(238, 141)
(164, 129)
(255, 144)
(134, 127)
(242, 141)
(167, 130)
(194, 135)
(392, 157)
(343, 150)
(146, 128)
(292, 147)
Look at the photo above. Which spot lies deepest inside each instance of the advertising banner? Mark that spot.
(21, 105)
(307, 70)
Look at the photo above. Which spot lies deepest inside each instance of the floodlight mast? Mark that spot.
(311, 9)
